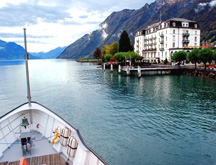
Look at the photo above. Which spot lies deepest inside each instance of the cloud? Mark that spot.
(19, 35)
(83, 16)
(20, 15)
(54, 23)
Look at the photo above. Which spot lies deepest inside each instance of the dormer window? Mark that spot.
(185, 24)
(173, 24)
(195, 25)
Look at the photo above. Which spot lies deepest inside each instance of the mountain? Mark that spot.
(12, 51)
(49, 55)
(202, 11)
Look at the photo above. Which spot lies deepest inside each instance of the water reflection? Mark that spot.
(153, 120)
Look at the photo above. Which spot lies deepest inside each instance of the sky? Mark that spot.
(55, 23)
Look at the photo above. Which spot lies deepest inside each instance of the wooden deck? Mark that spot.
(45, 159)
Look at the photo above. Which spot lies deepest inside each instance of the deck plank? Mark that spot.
(3, 163)
(51, 158)
(45, 159)
(62, 160)
(14, 163)
(56, 158)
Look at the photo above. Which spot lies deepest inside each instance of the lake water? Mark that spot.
(155, 120)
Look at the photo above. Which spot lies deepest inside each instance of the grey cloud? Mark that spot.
(79, 23)
(83, 16)
(20, 35)
(30, 12)
(25, 14)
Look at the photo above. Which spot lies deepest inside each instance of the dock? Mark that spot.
(151, 70)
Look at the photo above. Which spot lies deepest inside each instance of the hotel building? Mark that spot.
(160, 40)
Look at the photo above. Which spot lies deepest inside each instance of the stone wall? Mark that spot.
(200, 73)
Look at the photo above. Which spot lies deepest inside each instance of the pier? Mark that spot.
(150, 70)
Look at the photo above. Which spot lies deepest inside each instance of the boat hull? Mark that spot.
(45, 121)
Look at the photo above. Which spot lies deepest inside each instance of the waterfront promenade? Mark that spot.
(165, 70)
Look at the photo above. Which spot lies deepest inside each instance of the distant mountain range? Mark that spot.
(12, 51)
(49, 55)
(202, 11)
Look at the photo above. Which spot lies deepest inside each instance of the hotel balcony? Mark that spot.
(161, 49)
(186, 34)
(155, 38)
(185, 41)
(146, 39)
(161, 35)
(162, 41)
(151, 43)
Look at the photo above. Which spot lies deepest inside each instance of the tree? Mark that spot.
(107, 57)
(206, 55)
(113, 48)
(134, 56)
(105, 50)
(193, 56)
(165, 61)
(124, 43)
(97, 53)
(119, 56)
(214, 55)
(179, 56)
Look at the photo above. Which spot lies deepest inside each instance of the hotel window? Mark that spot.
(166, 54)
(173, 44)
(195, 39)
(173, 31)
(173, 38)
(195, 32)
(195, 44)
(195, 25)
(158, 54)
(166, 45)
(166, 38)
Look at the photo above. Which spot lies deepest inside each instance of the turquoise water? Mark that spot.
(153, 120)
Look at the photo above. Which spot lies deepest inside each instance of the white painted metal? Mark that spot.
(119, 69)
(47, 120)
(111, 67)
(27, 70)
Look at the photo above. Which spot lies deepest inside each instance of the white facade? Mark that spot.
(160, 40)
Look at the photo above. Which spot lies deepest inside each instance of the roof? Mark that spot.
(180, 19)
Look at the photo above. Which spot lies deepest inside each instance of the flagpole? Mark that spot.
(27, 70)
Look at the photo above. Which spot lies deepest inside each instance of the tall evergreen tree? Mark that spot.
(124, 43)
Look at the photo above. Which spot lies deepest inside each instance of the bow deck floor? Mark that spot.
(42, 152)
(46, 159)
